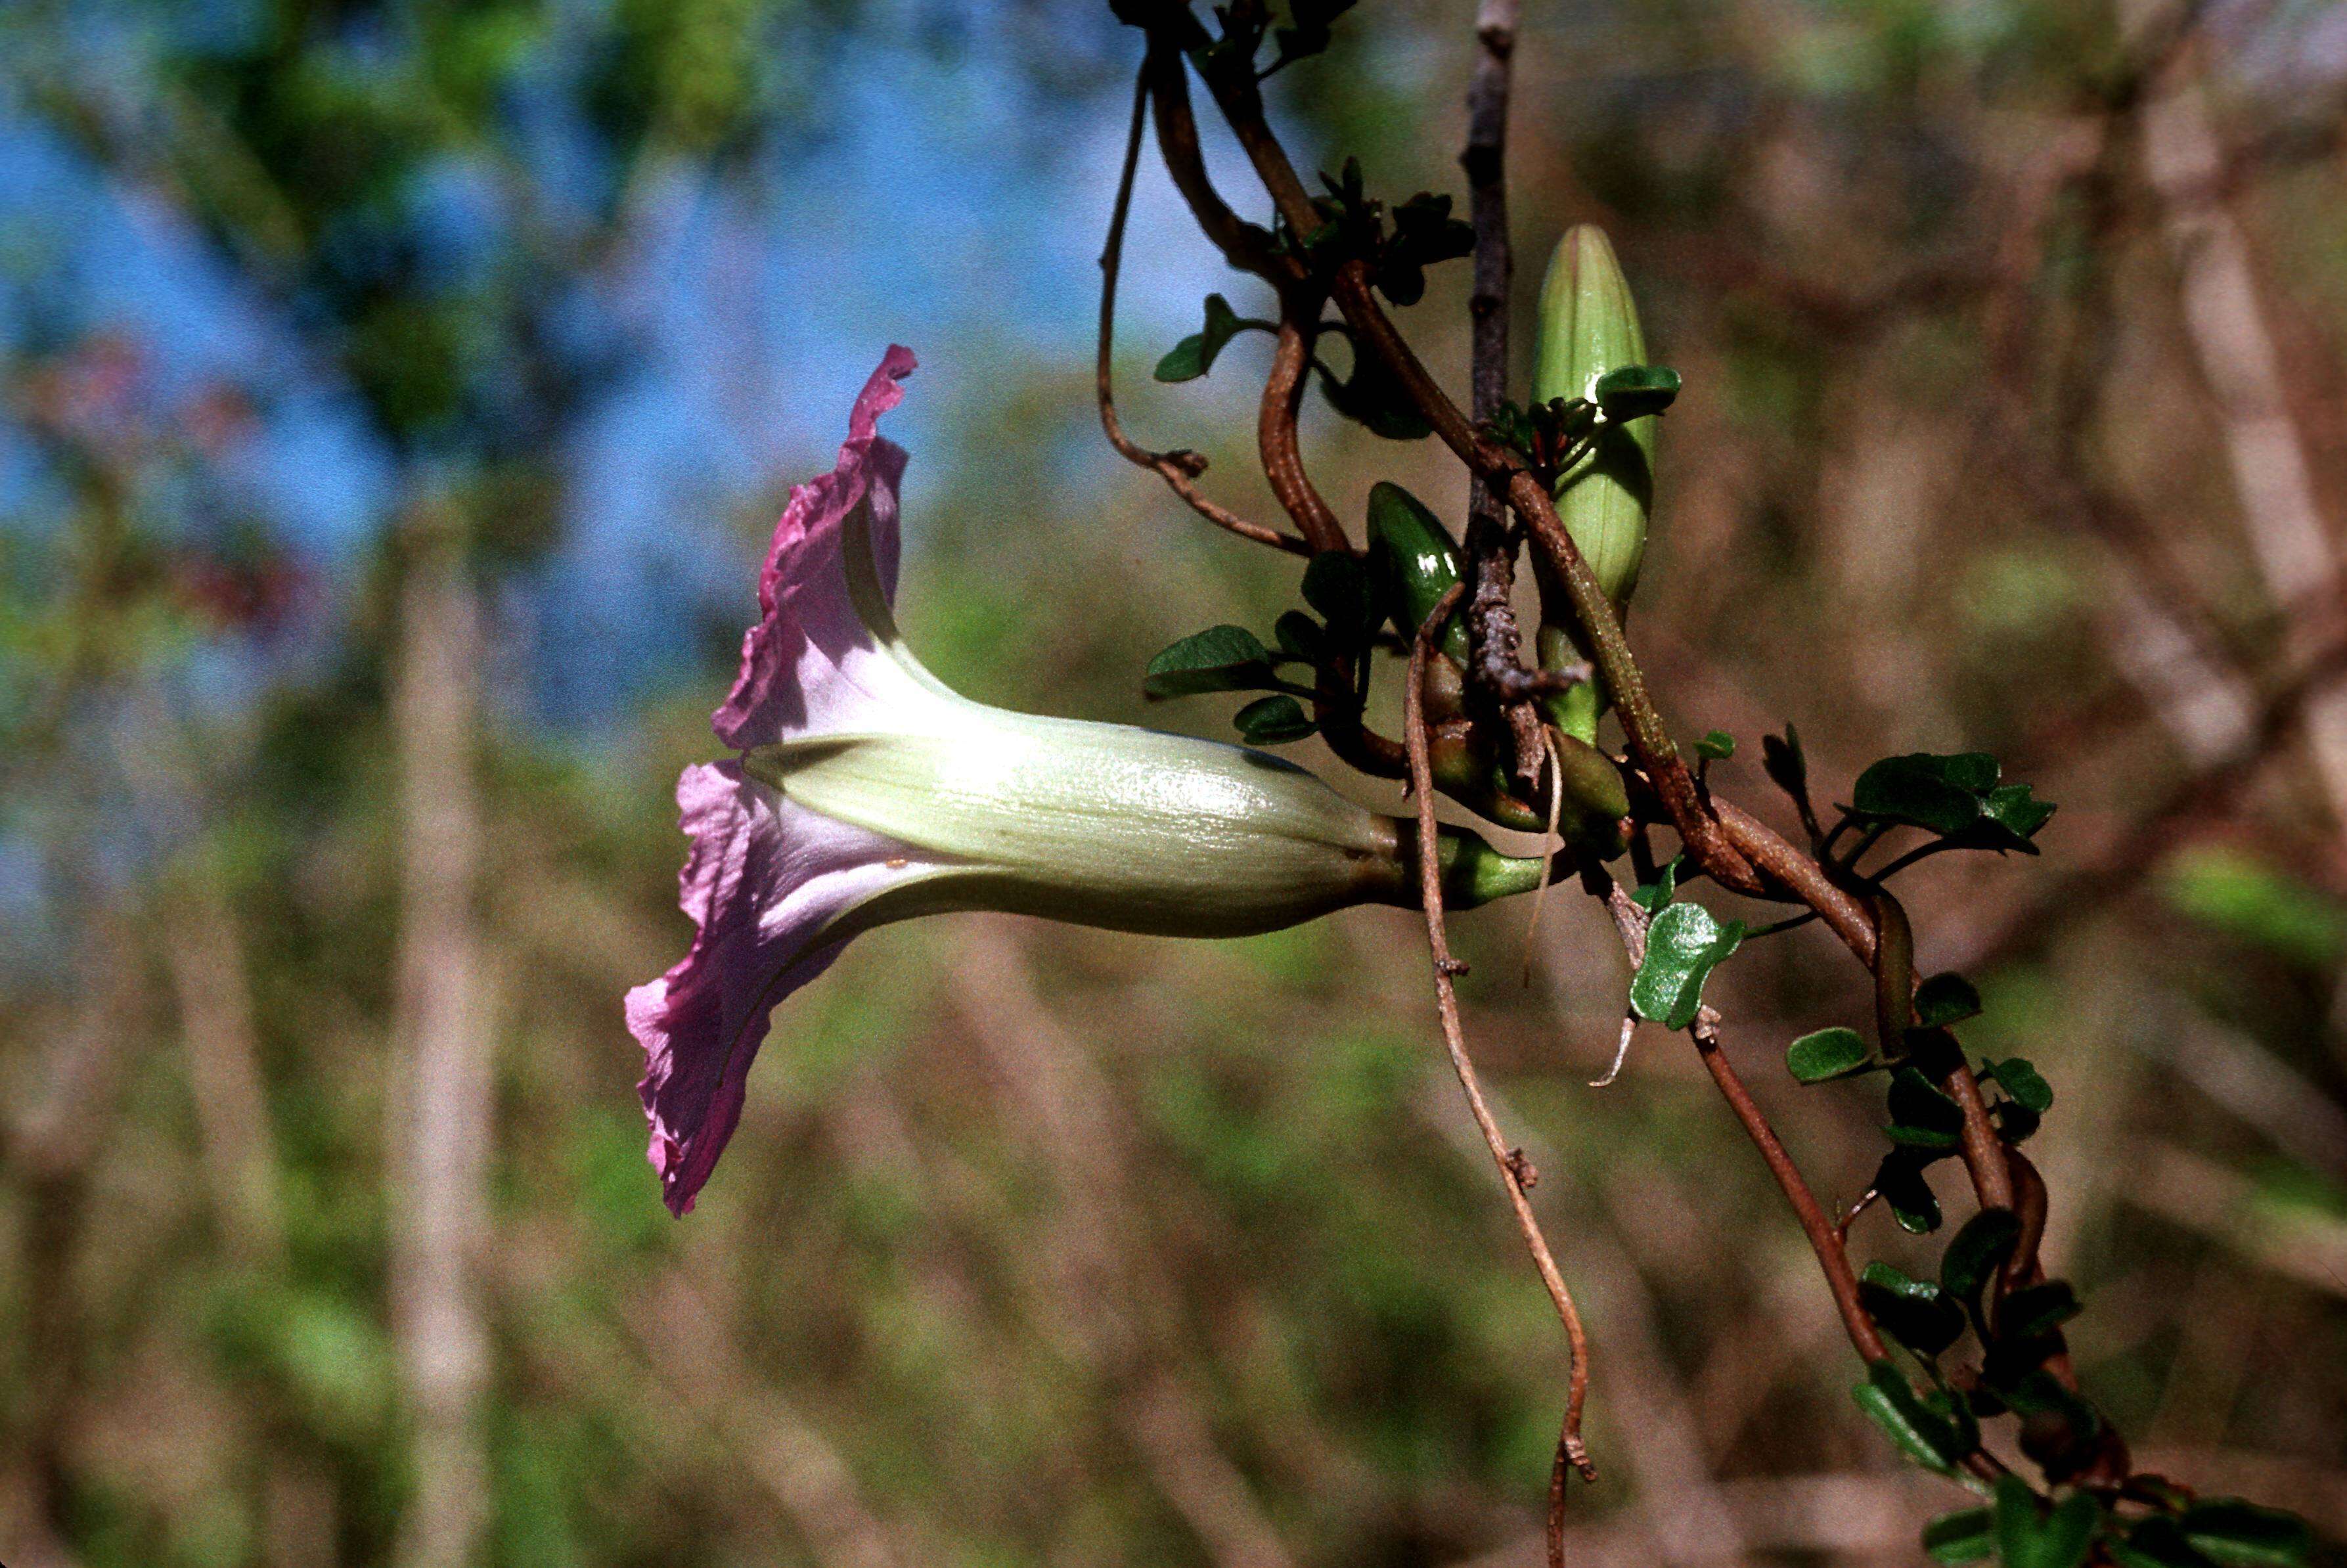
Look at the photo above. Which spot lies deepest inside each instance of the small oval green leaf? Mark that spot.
(1826, 1053)
(1273, 721)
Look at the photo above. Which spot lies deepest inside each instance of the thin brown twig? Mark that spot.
(1825, 1239)
(1515, 1171)
(1179, 469)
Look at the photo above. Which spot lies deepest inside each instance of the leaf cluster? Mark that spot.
(1396, 245)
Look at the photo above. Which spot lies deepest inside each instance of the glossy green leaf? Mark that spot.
(1717, 744)
(1941, 793)
(1915, 1312)
(1651, 895)
(2029, 1536)
(2012, 808)
(2234, 1532)
(2036, 1310)
(1925, 1436)
(1273, 721)
(2021, 1080)
(1633, 391)
(1945, 999)
(1826, 1053)
(1956, 1539)
(1194, 355)
(1683, 945)
(1907, 1192)
(1219, 658)
(1298, 634)
(1414, 564)
(1977, 1251)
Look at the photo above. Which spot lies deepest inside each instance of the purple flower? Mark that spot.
(865, 791)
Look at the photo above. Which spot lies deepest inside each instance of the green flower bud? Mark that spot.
(1415, 564)
(1589, 327)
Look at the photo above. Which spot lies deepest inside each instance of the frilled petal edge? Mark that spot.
(764, 882)
(812, 662)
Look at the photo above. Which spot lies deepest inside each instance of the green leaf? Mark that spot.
(1956, 1539)
(1194, 355)
(1338, 585)
(1834, 1052)
(2012, 808)
(1901, 1181)
(1651, 895)
(1273, 721)
(1945, 999)
(1717, 744)
(1424, 233)
(1915, 1312)
(1925, 1436)
(2028, 1087)
(1683, 945)
(2036, 1310)
(1940, 794)
(1300, 634)
(2028, 1536)
(2233, 1530)
(1309, 35)
(1371, 397)
(1920, 1116)
(1631, 391)
(1784, 763)
(1978, 1251)
(1219, 658)
(2156, 1541)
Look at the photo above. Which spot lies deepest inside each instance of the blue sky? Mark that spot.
(942, 208)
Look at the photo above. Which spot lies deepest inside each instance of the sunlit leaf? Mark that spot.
(1683, 945)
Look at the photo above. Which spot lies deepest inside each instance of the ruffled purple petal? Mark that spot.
(762, 881)
(810, 664)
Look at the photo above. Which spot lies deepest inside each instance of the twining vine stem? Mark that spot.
(1179, 469)
(1719, 839)
(1515, 1172)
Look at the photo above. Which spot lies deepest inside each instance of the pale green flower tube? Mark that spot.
(864, 790)
(1588, 326)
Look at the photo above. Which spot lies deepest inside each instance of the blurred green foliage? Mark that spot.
(1045, 1246)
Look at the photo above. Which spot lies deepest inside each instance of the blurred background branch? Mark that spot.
(2013, 420)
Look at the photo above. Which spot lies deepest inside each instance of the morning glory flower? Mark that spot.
(863, 790)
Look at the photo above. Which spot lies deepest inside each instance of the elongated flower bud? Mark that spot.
(1416, 563)
(865, 791)
(1589, 327)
